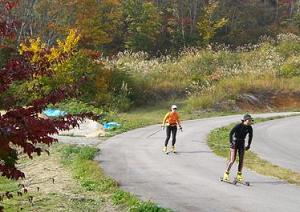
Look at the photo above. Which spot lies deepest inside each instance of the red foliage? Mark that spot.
(6, 25)
(185, 21)
(22, 127)
(92, 53)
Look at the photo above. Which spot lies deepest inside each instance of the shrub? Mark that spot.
(291, 68)
(288, 45)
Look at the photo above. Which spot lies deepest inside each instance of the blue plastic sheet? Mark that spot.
(110, 125)
(51, 112)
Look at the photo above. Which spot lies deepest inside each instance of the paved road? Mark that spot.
(278, 141)
(189, 180)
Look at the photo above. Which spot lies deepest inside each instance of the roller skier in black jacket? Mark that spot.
(237, 138)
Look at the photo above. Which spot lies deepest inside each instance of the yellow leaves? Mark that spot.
(207, 26)
(70, 43)
(39, 52)
(220, 23)
(35, 48)
(54, 54)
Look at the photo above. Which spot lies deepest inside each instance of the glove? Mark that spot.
(162, 127)
(247, 148)
(180, 128)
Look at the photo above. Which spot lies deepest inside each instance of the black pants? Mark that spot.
(233, 150)
(241, 151)
(169, 130)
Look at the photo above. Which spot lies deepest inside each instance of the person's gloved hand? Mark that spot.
(180, 127)
(162, 127)
(247, 148)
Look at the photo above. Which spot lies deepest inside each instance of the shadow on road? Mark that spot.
(192, 152)
(269, 182)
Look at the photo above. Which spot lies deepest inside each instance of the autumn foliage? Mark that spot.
(22, 129)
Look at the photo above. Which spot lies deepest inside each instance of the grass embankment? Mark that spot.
(218, 142)
(215, 79)
(227, 94)
(80, 185)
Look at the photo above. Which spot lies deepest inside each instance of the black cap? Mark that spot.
(247, 117)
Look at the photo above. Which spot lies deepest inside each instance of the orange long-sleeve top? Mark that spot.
(172, 118)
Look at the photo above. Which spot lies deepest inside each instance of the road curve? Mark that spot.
(278, 141)
(189, 180)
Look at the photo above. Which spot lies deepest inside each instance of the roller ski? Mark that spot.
(239, 179)
(226, 179)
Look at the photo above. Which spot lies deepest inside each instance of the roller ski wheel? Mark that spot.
(246, 183)
(171, 152)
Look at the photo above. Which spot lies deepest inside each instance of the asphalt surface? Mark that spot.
(278, 141)
(189, 180)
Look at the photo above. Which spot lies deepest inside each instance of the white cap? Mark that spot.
(174, 107)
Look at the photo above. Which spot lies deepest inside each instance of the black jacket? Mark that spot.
(238, 134)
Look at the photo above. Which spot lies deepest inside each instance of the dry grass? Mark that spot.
(230, 89)
(52, 188)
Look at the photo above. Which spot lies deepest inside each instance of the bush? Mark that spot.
(229, 60)
(203, 64)
(288, 45)
(291, 68)
(74, 106)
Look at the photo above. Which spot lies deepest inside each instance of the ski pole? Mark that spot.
(154, 133)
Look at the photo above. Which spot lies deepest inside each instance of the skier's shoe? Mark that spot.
(165, 149)
(173, 149)
(226, 176)
(239, 177)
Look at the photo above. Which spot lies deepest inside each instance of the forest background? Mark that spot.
(144, 52)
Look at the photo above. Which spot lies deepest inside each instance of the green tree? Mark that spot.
(207, 26)
(143, 22)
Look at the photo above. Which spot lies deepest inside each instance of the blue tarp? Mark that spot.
(51, 112)
(110, 125)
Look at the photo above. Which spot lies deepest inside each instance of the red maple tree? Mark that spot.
(21, 127)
